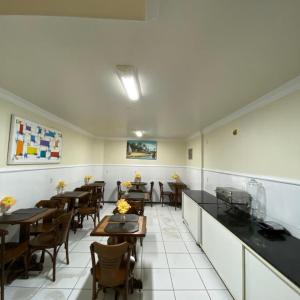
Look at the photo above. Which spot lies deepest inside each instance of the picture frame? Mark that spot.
(141, 149)
(32, 143)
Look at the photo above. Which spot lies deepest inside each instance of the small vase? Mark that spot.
(5, 212)
(126, 192)
(123, 219)
(86, 181)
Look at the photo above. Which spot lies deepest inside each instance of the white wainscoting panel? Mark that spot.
(193, 178)
(282, 197)
(32, 185)
(29, 185)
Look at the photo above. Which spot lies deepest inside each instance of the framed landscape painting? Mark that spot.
(137, 149)
(32, 143)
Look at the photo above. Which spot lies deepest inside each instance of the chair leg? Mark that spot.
(67, 251)
(25, 259)
(116, 294)
(2, 281)
(94, 289)
(125, 295)
(54, 264)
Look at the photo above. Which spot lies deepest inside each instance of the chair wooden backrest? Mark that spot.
(95, 197)
(137, 207)
(161, 187)
(151, 190)
(119, 186)
(62, 202)
(53, 203)
(110, 260)
(85, 201)
(62, 227)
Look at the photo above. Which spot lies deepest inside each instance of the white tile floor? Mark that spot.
(170, 265)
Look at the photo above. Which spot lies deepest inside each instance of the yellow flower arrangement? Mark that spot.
(137, 176)
(8, 202)
(123, 206)
(126, 184)
(175, 176)
(61, 185)
(87, 179)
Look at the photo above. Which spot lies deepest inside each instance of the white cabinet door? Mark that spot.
(263, 283)
(225, 252)
(192, 217)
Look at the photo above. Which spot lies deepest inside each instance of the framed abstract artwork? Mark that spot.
(32, 143)
(137, 149)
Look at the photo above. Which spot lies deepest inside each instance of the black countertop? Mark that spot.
(282, 251)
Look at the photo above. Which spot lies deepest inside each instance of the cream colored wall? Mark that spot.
(268, 141)
(195, 144)
(168, 153)
(77, 148)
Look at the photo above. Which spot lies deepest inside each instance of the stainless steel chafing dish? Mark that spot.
(234, 197)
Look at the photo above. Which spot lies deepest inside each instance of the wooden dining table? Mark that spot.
(100, 228)
(177, 188)
(24, 218)
(137, 196)
(73, 196)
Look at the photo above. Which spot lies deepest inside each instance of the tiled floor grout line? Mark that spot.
(167, 261)
(189, 253)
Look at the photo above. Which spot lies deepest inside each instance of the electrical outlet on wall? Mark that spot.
(51, 180)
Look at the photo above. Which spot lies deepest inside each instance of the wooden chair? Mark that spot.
(102, 190)
(88, 206)
(164, 194)
(8, 254)
(53, 240)
(137, 207)
(47, 223)
(114, 268)
(119, 189)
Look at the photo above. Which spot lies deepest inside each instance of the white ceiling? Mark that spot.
(198, 61)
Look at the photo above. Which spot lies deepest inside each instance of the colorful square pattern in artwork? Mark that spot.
(33, 143)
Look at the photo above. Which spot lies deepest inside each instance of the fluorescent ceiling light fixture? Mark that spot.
(129, 79)
(139, 133)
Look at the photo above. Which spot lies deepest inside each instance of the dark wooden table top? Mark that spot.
(97, 184)
(73, 194)
(137, 183)
(100, 229)
(29, 220)
(180, 185)
(137, 196)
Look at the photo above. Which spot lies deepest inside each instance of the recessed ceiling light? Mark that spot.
(129, 79)
(139, 133)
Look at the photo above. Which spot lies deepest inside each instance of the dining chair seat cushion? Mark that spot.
(14, 250)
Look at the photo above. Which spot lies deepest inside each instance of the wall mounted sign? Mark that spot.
(138, 149)
(31, 143)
